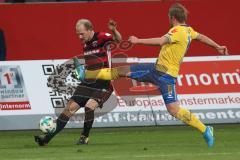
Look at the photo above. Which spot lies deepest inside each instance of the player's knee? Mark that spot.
(92, 104)
(173, 108)
(71, 108)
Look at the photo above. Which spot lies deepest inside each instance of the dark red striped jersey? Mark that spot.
(96, 52)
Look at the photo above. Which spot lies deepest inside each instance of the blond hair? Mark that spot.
(87, 23)
(179, 12)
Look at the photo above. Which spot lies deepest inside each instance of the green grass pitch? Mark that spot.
(134, 143)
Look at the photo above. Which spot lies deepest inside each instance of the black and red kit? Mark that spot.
(96, 54)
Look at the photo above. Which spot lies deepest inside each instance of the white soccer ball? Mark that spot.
(47, 124)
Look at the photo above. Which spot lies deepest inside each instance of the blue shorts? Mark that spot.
(165, 83)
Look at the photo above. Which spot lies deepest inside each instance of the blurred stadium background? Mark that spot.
(38, 35)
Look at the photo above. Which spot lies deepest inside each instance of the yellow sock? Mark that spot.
(104, 74)
(190, 119)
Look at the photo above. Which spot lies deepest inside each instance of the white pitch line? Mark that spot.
(174, 155)
(180, 154)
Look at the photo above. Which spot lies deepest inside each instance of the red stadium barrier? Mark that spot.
(47, 31)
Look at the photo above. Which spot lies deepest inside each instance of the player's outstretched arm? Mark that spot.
(206, 40)
(150, 41)
(112, 25)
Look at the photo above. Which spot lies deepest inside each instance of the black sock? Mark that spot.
(88, 121)
(61, 123)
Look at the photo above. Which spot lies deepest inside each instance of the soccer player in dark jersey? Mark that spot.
(89, 94)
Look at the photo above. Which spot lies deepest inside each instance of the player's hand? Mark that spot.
(222, 50)
(112, 25)
(133, 39)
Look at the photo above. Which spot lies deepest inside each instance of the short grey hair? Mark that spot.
(87, 23)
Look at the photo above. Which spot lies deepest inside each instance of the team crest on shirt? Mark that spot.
(94, 43)
(108, 34)
(174, 30)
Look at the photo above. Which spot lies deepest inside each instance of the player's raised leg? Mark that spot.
(114, 73)
(104, 74)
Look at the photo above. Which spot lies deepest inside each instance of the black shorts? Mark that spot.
(100, 90)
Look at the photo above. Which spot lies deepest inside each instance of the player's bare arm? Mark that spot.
(206, 40)
(150, 41)
(112, 26)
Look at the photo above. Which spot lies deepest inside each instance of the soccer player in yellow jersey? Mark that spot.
(165, 71)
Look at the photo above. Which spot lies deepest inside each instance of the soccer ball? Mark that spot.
(47, 124)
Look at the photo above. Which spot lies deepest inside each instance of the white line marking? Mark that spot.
(174, 155)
